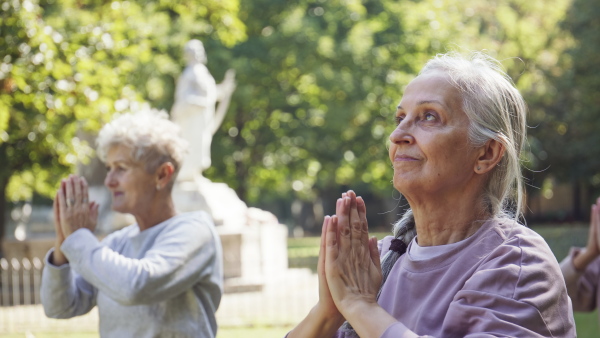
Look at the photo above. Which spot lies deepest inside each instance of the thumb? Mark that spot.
(55, 210)
(94, 210)
(331, 243)
(374, 251)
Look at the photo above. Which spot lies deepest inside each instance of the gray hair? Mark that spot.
(152, 138)
(496, 110)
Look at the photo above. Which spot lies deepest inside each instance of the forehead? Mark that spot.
(432, 86)
(119, 153)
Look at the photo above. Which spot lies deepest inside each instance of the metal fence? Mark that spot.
(282, 300)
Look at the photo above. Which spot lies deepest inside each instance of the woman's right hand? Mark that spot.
(76, 211)
(58, 258)
(326, 306)
(592, 249)
(63, 214)
(593, 245)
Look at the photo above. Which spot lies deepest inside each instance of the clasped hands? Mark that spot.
(349, 266)
(592, 249)
(72, 211)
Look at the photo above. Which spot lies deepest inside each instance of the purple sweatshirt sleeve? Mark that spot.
(515, 292)
(399, 330)
(582, 286)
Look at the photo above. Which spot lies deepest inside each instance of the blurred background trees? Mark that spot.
(67, 66)
(318, 82)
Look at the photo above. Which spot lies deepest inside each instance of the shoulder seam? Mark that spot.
(520, 267)
(512, 298)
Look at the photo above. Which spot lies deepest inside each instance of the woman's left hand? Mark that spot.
(75, 211)
(352, 265)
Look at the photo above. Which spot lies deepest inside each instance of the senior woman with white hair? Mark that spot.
(459, 263)
(159, 277)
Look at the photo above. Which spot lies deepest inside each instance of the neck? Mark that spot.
(441, 220)
(159, 210)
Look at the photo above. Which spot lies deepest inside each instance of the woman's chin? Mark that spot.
(119, 208)
(404, 185)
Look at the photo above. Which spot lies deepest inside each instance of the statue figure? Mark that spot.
(199, 108)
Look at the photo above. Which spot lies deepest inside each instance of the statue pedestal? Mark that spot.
(254, 243)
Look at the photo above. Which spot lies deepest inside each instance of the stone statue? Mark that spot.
(254, 243)
(199, 108)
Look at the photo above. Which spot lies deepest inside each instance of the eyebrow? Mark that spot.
(427, 102)
(120, 161)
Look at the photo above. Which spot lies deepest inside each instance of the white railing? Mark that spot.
(20, 281)
(284, 299)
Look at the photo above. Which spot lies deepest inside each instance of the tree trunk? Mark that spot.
(242, 174)
(3, 184)
(576, 200)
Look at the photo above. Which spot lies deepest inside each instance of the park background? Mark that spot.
(317, 86)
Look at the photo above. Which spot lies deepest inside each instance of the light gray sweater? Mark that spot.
(165, 281)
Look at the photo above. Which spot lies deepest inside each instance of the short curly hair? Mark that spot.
(151, 136)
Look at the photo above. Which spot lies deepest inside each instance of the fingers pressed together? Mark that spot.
(352, 266)
(72, 209)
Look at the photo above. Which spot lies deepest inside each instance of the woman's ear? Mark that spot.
(490, 155)
(164, 174)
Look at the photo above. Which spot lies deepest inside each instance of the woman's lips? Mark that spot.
(403, 158)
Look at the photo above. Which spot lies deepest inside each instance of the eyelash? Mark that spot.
(399, 119)
(430, 114)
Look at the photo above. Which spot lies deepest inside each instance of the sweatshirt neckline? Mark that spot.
(138, 234)
(447, 257)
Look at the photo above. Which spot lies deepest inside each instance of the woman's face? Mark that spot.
(429, 148)
(131, 186)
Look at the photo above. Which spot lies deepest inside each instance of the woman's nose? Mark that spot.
(402, 134)
(109, 180)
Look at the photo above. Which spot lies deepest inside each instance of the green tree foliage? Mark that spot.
(318, 82)
(67, 66)
(568, 132)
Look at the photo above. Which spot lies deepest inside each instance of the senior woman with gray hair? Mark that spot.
(459, 263)
(159, 277)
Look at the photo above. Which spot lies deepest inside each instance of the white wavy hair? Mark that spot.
(151, 136)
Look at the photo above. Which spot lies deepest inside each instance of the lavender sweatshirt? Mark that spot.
(582, 285)
(501, 282)
(165, 281)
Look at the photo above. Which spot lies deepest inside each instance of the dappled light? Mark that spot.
(317, 83)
